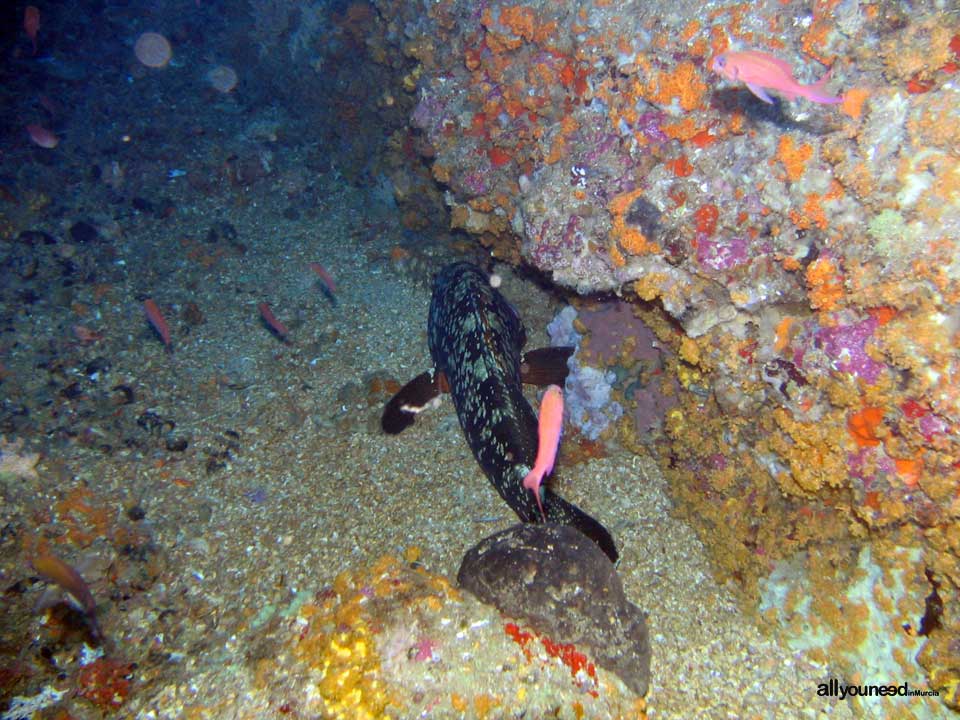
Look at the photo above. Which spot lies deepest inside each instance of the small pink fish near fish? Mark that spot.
(159, 323)
(550, 425)
(326, 280)
(760, 72)
(42, 137)
(272, 322)
(31, 24)
(55, 570)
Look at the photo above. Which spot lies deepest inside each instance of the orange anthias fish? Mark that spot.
(329, 288)
(271, 320)
(761, 72)
(551, 422)
(71, 582)
(157, 320)
(42, 137)
(31, 24)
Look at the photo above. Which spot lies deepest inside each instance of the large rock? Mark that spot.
(558, 582)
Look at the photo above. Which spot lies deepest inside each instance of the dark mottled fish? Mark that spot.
(476, 338)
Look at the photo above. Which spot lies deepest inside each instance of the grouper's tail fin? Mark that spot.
(562, 512)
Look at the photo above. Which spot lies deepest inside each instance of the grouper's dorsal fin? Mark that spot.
(413, 398)
(545, 366)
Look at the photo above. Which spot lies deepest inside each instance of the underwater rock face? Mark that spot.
(800, 257)
(559, 582)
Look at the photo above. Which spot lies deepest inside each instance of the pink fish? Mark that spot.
(761, 72)
(31, 24)
(551, 422)
(271, 320)
(42, 137)
(157, 320)
(329, 288)
(70, 581)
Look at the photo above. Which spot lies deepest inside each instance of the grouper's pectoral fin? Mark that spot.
(414, 397)
(545, 366)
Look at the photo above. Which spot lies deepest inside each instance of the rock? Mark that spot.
(560, 583)
(83, 232)
(36, 237)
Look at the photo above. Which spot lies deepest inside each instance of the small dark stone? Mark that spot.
(36, 237)
(226, 233)
(155, 424)
(559, 582)
(18, 588)
(84, 232)
(67, 269)
(142, 205)
(177, 444)
(645, 215)
(192, 315)
(222, 232)
(25, 267)
(124, 395)
(72, 391)
(97, 366)
(933, 607)
(136, 513)
(213, 464)
(28, 296)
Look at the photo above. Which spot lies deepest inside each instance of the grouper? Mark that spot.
(476, 341)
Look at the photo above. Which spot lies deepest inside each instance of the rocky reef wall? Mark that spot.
(798, 259)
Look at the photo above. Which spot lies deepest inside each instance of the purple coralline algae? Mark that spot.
(846, 346)
(722, 253)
